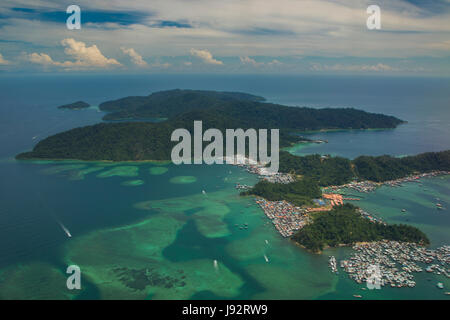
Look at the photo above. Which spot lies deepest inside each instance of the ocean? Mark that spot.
(131, 220)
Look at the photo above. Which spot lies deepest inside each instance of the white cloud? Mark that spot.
(135, 57)
(380, 67)
(254, 28)
(254, 63)
(250, 61)
(42, 58)
(275, 62)
(205, 56)
(3, 61)
(164, 65)
(85, 57)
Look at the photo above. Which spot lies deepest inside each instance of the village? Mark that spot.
(369, 186)
(381, 263)
(286, 217)
(395, 263)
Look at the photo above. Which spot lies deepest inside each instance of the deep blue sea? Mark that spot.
(34, 198)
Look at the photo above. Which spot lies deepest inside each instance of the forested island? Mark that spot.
(338, 171)
(222, 110)
(75, 106)
(344, 225)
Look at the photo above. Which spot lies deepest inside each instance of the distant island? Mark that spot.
(137, 141)
(75, 106)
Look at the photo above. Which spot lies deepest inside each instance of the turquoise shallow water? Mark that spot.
(132, 219)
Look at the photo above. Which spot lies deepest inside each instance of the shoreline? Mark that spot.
(367, 186)
(349, 129)
(94, 161)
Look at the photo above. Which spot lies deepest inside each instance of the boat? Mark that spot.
(357, 296)
(403, 210)
(265, 258)
(66, 230)
(440, 285)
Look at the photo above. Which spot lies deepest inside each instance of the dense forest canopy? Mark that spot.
(299, 193)
(249, 110)
(325, 170)
(344, 225)
(337, 171)
(165, 104)
(384, 168)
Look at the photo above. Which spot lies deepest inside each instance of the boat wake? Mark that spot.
(65, 230)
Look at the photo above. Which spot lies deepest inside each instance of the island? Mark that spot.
(305, 199)
(137, 141)
(344, 225)
(75, 106)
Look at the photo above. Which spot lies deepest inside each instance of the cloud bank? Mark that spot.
(135, 57)
(85, 57)
(205, 56)
(3, 61)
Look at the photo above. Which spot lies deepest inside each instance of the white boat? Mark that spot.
(65, 230)
(267, 259)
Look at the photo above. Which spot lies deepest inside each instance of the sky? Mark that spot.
(227, 36)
